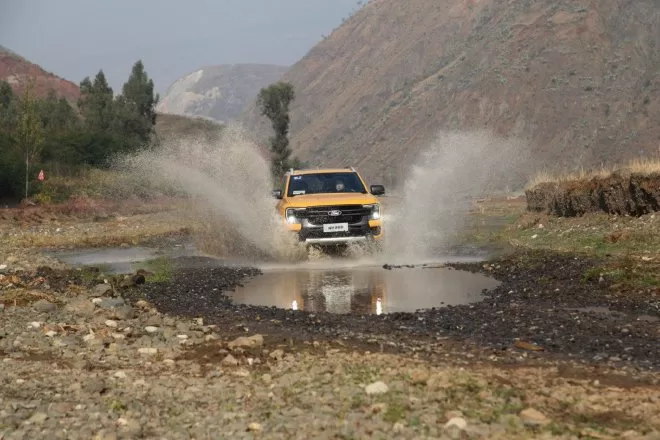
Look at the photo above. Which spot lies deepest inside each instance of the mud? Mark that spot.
(619, 193)
(528, 316)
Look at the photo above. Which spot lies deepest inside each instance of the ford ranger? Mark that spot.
(330, 206)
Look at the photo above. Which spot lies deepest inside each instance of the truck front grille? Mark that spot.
(320, 215)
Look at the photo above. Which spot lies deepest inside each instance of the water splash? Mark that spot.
(228, 186)
(442, 185)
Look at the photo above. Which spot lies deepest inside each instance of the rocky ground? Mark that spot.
(89, 355)
(545, 303)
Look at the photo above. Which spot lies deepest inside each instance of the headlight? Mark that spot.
(292, 215)
(375, 211)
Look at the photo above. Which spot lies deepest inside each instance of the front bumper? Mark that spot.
(363, 231)
(329, 241)
(357, 221)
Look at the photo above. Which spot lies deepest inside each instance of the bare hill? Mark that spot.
(579, 80)
(16, 70)
(218, 92)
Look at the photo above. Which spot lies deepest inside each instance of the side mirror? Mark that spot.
(277, 193)
(377, 190)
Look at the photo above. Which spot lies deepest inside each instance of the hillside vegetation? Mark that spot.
(577, 80)
(74, 136)
(50, 133)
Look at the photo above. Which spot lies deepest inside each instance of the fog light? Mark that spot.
(375, 230)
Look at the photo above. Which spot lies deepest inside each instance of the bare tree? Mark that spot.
(29, 131)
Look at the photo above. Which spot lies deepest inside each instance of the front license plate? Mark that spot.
(335, 227)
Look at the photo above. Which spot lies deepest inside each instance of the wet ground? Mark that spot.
(525, 304)
(122, 259)
(334, 283)
(538, 311)
(363, 290)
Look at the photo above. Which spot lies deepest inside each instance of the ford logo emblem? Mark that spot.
(334, 213)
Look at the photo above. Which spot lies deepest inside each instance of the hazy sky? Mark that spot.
(76, 38)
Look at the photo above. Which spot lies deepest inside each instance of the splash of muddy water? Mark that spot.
(229, 189)
(228, 186)
(442, 186)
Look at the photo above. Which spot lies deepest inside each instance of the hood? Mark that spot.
(306, 200)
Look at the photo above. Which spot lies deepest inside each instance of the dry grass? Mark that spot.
(546, 176)
(102, 185)
(21, 297)
(644, 165)
(129, 230)
(641, 165)
(110, 239)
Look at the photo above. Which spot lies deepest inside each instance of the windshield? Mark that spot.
(325, 183)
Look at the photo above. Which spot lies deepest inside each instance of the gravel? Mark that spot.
(178, 360)
(543, 308)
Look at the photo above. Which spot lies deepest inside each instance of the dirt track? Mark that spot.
(81, 361)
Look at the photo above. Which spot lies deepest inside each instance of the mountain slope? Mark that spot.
(16, 70)
(578, 80)
(218, 92)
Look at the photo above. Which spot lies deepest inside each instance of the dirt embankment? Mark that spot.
(619, 193)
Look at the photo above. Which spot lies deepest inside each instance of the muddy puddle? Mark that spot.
(119, 259)
(363, 290)
(332, 284)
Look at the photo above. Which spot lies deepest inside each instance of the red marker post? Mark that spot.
(41, 175)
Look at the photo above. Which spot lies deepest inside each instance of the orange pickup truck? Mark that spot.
(330, 207)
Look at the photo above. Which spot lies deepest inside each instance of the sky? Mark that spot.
(77, 38)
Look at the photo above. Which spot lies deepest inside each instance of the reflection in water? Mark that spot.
(365, 290)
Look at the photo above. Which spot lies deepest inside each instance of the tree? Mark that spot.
(7, 106)
(96, 103)
(139, 91)
(29, 131)
(136, 107)
(274, 101)
(11, 168)
(57, 115)
(6, 94)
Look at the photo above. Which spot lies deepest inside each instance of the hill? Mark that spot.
(578, 80)
(16, 70)
(218, 92)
